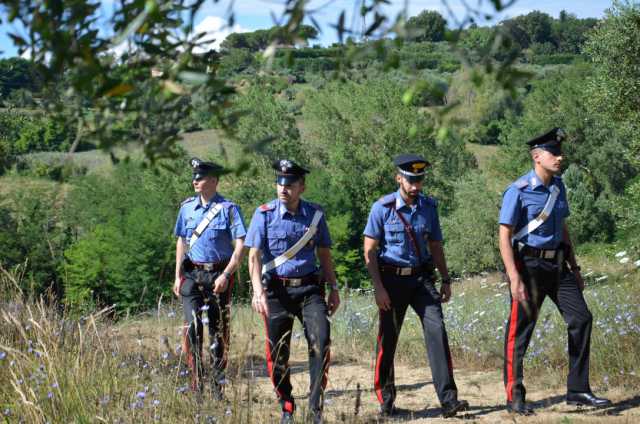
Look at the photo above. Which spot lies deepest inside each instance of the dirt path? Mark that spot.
(418, 402)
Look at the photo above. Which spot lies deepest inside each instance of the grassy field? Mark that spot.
(93, 369)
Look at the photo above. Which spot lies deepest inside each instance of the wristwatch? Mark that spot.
(333, 286)
(446, 280)
(575, 268)
(227, 275)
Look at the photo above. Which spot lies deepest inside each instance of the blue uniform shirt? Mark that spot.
(214, 244)
(274, 230)
(384, 225)
(524, 200)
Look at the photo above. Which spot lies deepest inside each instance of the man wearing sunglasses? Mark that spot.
(539, 261)
(210, 232)
(402, 248)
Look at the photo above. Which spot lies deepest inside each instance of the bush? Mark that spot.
(471, 230)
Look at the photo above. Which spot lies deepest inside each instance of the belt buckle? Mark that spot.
(294, 282)
(207, 266)
(548, 254)
(405, 271)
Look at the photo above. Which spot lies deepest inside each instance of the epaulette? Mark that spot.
(521, 183)
(431, 201)
(387, 199)
(267, 207)
(315, 206)
(188, 199)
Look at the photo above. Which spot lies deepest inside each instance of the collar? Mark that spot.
(301, 209)
(535, 181)
(400, 201)
(215, 199)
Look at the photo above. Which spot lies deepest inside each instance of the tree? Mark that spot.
(428, 25)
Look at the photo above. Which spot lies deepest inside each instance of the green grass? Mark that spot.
(59, 368)
(209, 144)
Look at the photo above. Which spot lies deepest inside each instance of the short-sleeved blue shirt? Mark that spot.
(524, 200)
(274, 230)
(385, 226)
(214, 244)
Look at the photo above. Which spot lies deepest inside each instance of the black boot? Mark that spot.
(586, 399)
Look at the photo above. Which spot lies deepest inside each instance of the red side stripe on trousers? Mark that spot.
(288, 406)
(376, 381)
(511, 341)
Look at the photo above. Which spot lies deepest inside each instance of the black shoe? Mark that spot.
(316, 417)
(287, 418)
(386, 412)
(450, 409)
(519, 407)
(216, 392)
(586, 399)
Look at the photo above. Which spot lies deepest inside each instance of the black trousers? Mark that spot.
(544, 278)
(202, 306)
(306, 303)
(421, 294)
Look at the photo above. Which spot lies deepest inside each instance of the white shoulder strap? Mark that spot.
(203, 224)
(537, 221)
(313, 228)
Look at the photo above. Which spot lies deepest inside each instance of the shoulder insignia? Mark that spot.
(187, 200)
(315, 206)
(388, 199)
(521, 183)
(431, 201)
(267, 207)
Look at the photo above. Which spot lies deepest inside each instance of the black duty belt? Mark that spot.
(210, 266)
(534, 252)
(407, 271)
(296, 281)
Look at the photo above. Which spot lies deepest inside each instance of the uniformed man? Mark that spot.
(402, 243)
(286, 237)
(209, 248)
(539, 262)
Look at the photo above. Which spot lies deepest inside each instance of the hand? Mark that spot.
(221, 283)
(579, 279)
(176, 286)
(445, 292)
(259, 303)
(382, 299)
(333, 301)
(518, 290)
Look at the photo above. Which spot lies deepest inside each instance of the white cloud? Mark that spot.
(216, 30)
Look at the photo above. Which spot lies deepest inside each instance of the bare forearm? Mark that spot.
(371, 260)
(506, 251)
(255, 269)
(567, 240)
(326, 263)
(236, 257)
(180, 249)
(437, 253)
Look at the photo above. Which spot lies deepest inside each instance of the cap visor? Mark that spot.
(554, 150)
(286, 179)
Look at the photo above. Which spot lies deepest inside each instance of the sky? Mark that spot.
(258, 14)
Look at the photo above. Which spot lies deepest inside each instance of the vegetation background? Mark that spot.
(92, 172)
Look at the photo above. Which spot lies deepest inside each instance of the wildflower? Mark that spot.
(171, 314)
(165, 355)
(50, 395)
(141, 395)
(54, 386)
(621, 254)
(204, 308)
(7, 412)
(156, 402)
(624, 260)
(205, 320)
(3, 355)
(104, 400)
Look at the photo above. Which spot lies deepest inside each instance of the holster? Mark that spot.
(266, 280)
(186, 265)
